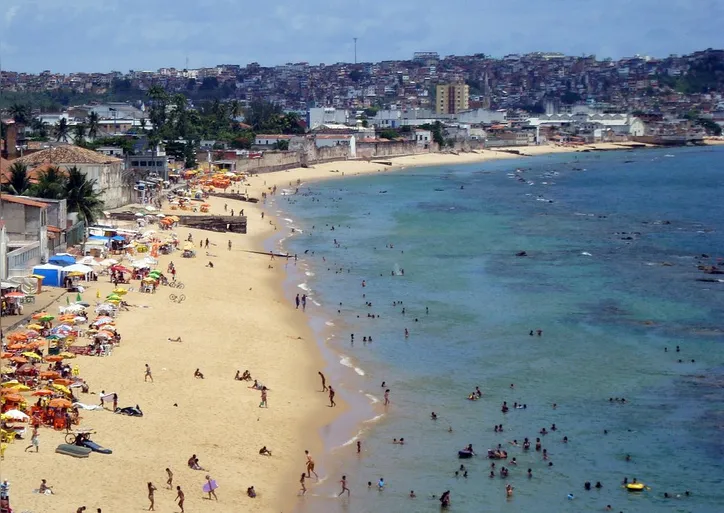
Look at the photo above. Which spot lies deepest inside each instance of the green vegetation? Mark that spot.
(54, 183)
(389, 133)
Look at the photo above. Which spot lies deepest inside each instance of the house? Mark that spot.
(271, 139)
(114, 184)
(423, 138)
(26, 230)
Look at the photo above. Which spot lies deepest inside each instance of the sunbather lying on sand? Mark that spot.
(198, 374)
(177, 339)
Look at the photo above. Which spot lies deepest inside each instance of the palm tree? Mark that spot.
(82, 197)
(79, 133)
(40, 127)
(50, 184)
(92, 120)
(20, 113)
(62, 130)
(18, 182)
(142, 122)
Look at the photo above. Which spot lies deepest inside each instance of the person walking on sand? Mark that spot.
(332, 404)
(263, 402)
(343, 482)
(211, 486)
(34, 440)
(310, 466)
(229, 245)
(324, 381)
(148, 374)
(169, 481)
(303, 489)
(180, 498)
(151, 489)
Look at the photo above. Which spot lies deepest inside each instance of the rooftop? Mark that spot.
(66, 154)
(22, 200)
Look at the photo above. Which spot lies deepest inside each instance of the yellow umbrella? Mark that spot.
(35, 327)
(120, 291)
(66, 354)
(35, 356)
(61, 388)
(20, 387)
(11, 383)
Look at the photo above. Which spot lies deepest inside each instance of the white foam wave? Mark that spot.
(352, 440)
(348, 363)
(375, 418)
(288, 220)
(304, 287)
(373, 399)
(317, 304)
(329, 323)
(309, 273)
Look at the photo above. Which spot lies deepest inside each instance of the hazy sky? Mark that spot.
(103, 35)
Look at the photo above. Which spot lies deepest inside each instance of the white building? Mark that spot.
(423, 138)
(323, 115)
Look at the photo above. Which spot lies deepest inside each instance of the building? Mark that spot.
(318, 116)
(452, 98)
(26, 234)
(423, 138)
(111, 181)
(270, 140)
(149, 164)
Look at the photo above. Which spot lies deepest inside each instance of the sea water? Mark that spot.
(612, 242)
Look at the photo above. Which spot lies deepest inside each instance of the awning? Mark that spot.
(8, 285)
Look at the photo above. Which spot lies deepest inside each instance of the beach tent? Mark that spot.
(62, 259)
(78, 268)
(52, 274)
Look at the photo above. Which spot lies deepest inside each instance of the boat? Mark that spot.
(463, 455)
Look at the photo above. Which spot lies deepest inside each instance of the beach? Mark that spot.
(236, 316)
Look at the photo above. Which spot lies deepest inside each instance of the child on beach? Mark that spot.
(263, 398)
(148, 374)
(303, 489)
(343, 482)
(180, 498)
(169, 481)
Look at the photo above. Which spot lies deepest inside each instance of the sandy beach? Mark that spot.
(235, 317)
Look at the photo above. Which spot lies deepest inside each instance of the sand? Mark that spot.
(235, 317)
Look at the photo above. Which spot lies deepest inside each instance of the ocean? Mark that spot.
(609, 275)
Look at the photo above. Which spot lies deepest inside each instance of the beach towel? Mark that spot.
(108, 398)
(209, 486)
(88, 406)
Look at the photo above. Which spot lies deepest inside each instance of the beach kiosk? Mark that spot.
(52, 274)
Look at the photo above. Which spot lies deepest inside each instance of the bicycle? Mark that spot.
(177, 299)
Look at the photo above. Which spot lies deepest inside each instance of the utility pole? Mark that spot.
(355, 50)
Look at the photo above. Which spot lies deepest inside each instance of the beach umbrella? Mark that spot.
(14, 398)
(10, 383)
(6, 354)
(15, 294)
(46, 318)
(120, 291)
(15, 415)
(53, 358)
(66, 354)
(60, 403)
(39, 315)
(19, 359)
(60, 388)
(43, 393)
(34, 356)
(7, 370)
(113, 297)
(49, 375)
(20, 388)
(17, 346)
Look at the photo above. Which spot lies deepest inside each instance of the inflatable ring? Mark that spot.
(635, 487)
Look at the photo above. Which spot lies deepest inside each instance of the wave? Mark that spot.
(316, 304)
(375, 418)
(351, 440)
(309, 273)
(304, 287)
(329, 323)
(373, 399)
(288, 220)
(348, 363)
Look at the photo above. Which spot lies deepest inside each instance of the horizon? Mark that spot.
(135, 35)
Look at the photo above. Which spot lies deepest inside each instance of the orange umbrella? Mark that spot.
(17, 346)
(43, 392)
(19, 359)
(17, 336)
(6, 355)
(60, 403)
(39, 315)
(49, 375)
(65, 382)
(53, 358)
(14, 398)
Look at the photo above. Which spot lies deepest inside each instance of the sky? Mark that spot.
(103, 35)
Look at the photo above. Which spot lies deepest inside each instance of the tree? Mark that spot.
(282, 145)
(79, 134)
(20, 113)
(62, 130)
(39, 127)
(50, 184)
(263, 116)
(18, 182)
(157, 114)
(389, 134)
(92, 121)
(142, 123)
(190, 156)
(82, 197)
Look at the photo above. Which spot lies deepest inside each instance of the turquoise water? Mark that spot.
(609, 277)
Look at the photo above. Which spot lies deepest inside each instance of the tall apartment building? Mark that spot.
(452, 98)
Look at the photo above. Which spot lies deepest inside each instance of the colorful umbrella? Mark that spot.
(120, 291)
(43, 393)
(53, 358)
(34, 356)
(46, 318)
(60, 403)
(61, 388)
(14, 398)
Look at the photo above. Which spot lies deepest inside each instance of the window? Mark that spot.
(134, 163)
(144, 163)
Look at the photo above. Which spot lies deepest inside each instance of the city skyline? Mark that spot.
(90, 36)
